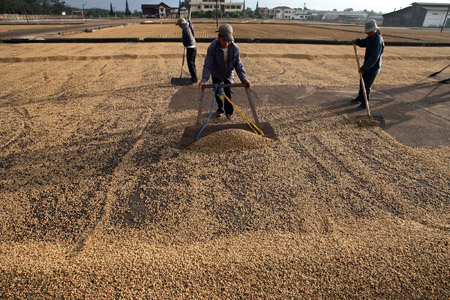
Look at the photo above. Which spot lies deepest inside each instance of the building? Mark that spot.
(282, 13)
(345, 16)
(225, 6)
(286, 13)
(183, 12)
(263, 12)
(419, 14)
(300, 14)
(160, 10)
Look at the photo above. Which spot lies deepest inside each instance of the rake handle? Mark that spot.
(199, 111)
(252, 105)
(182, 63)
(362, 81)
(435, 73)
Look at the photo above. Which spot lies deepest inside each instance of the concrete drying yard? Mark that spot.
(98, 200)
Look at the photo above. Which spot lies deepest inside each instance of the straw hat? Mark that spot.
(371, 25)
(180, 21)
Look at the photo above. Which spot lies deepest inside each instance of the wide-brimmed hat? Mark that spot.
(226, 31)
(371, 25)
(180, 21)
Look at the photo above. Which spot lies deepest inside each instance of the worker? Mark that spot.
(374, 45)
(222, 57)
(189, 42)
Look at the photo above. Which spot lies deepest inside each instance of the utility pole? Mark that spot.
(217, 13)
(304, 14)
(445, 19)
(83, 5)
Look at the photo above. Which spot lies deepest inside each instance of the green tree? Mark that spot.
(127, 9)
(96, 12)
(33, 6)
(111, 10)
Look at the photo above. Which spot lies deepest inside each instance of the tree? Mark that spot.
(248, 13)
(59, 7)
(97, 12)
(111, 10)
(127, 9)
(348, 9)
(33, 7)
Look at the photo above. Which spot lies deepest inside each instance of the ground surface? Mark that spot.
(282, 31)
(99, 200)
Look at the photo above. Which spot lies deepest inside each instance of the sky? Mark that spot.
(384, 6)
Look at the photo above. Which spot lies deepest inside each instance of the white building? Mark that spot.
(436, 15)
(210, 5)
(345, 16)
(300, 14)
(283, 13)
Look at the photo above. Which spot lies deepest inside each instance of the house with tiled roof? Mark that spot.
(282, 13)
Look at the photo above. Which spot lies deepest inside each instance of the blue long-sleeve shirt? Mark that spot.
(374, 49)
(216, 67)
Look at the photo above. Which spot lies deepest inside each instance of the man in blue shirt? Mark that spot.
(374, 45)
(221, 59)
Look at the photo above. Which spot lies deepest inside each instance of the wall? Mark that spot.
(434, 18)
(408, 17)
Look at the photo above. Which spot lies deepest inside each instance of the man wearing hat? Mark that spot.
(221, 59)
(374, 45)
(189, 43)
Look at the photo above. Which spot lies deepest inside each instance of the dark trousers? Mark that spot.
(190, 58)
(228, 91)
(368, 78)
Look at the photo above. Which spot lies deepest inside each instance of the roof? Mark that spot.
(154, 5)
(430, 4)
(282, 7)
(425, 5)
